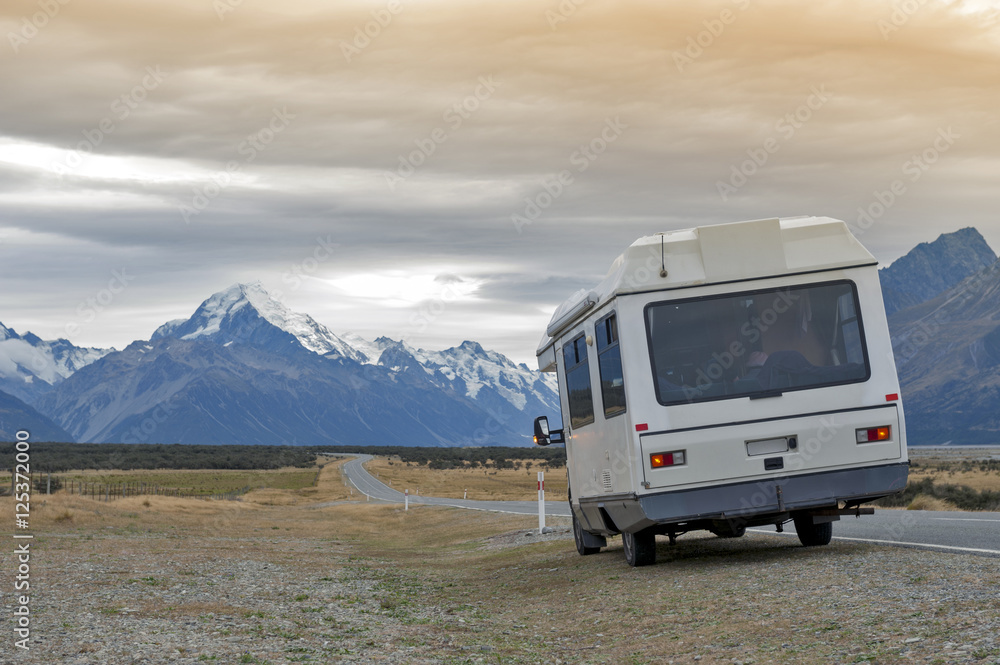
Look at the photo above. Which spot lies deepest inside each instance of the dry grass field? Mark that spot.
(521, 484)
(956, 467)
(482, 484)
(205, 480)
(977, 480)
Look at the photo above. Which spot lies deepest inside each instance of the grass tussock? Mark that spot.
(959, 496)
(924, 502)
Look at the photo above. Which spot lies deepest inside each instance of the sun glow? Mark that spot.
(399, 288)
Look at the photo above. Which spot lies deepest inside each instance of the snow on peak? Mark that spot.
(469, 363)
(215, 317)
(24, 358)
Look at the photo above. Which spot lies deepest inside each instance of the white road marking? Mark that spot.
(964, 519)
(952, 548)
(940, 547)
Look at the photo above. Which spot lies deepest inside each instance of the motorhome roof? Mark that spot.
(719, 253)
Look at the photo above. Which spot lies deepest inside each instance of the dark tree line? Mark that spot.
(61, 457)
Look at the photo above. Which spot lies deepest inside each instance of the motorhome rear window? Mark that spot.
(756, 342)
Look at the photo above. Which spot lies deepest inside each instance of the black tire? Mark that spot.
(813, 535)
(578, 537)
(640, 548)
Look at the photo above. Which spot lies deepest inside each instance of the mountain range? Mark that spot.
(246, 369)
(931, 268)
(947, 352)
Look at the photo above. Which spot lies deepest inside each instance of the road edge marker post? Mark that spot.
(541, 502)
(406, 500)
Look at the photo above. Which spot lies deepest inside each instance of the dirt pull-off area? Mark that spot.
(187, 581)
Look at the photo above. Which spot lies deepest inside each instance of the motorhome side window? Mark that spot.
(609, 361)
(739, 345)
(581, 404)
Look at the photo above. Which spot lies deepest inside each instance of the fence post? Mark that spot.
(48, 484)
(541, 501)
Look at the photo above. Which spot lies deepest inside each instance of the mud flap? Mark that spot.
(591, 540)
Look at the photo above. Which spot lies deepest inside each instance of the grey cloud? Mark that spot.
(324, 175)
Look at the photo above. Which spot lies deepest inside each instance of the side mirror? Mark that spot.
(541, 431)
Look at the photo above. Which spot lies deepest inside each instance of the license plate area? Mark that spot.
(768, 446)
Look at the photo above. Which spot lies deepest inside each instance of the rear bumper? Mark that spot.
(747, 500)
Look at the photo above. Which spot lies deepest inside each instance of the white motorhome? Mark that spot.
(723, 377)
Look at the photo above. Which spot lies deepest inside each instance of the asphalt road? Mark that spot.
(958, 532)
(365, 483)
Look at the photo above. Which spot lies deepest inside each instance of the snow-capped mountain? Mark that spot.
(482, 375)
(246, 313)
(197, 391)
(246, 369)
(31, 366)
(242, 313)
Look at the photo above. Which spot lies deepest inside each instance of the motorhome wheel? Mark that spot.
(811, 534)
(640, 548)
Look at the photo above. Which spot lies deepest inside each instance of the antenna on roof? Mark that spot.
(663, 265)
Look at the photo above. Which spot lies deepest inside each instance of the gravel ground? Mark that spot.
(525, 536)
(121, 597)
(117, 601)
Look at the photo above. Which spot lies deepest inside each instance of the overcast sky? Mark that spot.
(153, 153)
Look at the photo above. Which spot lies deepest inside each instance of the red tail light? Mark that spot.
(658, 460)
(870, 434)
